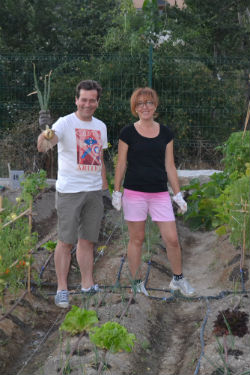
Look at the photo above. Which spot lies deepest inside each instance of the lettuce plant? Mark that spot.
(78, 320)
(112, 336)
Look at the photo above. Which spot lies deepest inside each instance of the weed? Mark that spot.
(145, 344)
(50, 245)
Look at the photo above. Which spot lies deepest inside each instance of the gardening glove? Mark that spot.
(48, 133)
(178, 199)
(117, 200)
(106, 194)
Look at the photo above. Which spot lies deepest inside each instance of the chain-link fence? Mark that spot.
(202, 100)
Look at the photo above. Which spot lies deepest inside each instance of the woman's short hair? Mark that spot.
(147, 93)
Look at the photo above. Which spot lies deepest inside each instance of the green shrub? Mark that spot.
(236, 152)
(239, 222)
(32, 184)
(223, 202)
(15, 243)
(202, 203)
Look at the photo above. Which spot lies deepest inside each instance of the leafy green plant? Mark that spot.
(78, 320)
(15, 237)
(223, 202)
(15, 242)
(32, 184)
(236, 151)
(145, 344)
(201, 203)
(50, 245)
(229, 323)
(113, 336)
(239, 219)
(232, 211)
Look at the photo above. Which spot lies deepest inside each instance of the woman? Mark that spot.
(145, 153)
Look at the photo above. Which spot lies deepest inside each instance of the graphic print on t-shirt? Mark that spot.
(89, 148)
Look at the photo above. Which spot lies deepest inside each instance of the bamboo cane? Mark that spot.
(30, 229)
(1, 207)
(242, 259)
(247, 119)
(26, 212)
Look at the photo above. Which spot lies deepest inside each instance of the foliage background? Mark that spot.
(197, 59)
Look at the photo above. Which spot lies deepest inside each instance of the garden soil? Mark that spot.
(174, 335)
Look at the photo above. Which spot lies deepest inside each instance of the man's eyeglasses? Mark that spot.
(148, 103)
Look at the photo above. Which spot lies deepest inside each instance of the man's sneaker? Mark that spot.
(139, 287)
(62, 299)
(183, 286)
(92, 290)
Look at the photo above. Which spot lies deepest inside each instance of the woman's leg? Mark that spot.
(170, 237)
(136, 231)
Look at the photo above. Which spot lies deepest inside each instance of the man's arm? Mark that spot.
(121, 164)
(44, 144)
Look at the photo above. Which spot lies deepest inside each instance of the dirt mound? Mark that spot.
(172, 332)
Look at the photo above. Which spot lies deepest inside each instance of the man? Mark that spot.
(81, 139)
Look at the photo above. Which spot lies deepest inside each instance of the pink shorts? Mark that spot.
(137, 205)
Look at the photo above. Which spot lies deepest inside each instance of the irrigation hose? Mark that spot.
(147, 274)
(202, 339)
(242, 279)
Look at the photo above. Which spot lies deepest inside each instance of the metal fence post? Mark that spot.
(150, 64)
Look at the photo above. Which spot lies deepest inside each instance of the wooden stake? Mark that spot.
(30, 217)
(242, 259)
(30, 230)
(247, 119)
(1, 207)
(18, 217)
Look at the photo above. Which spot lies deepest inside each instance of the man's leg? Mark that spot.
(88, 233)
(62, 259)
(85, 259)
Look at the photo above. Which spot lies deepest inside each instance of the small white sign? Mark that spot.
(15, 179)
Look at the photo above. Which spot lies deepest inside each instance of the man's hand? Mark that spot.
(48, 133)
(178, 199)
(46, 140)
(106, 194)
(117, 200)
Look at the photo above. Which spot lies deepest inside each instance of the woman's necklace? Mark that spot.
(150, 130)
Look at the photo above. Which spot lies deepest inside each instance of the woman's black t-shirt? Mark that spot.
(146, 169)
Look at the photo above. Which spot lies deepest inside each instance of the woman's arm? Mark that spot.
(173, 178)
(171, 169)
(121, 164)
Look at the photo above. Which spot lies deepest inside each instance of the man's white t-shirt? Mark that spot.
(79, 153)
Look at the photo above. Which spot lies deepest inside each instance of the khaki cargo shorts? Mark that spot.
(79, 216)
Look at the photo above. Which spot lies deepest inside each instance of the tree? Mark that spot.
(16, 24)
(73, 27)
(212, 28)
